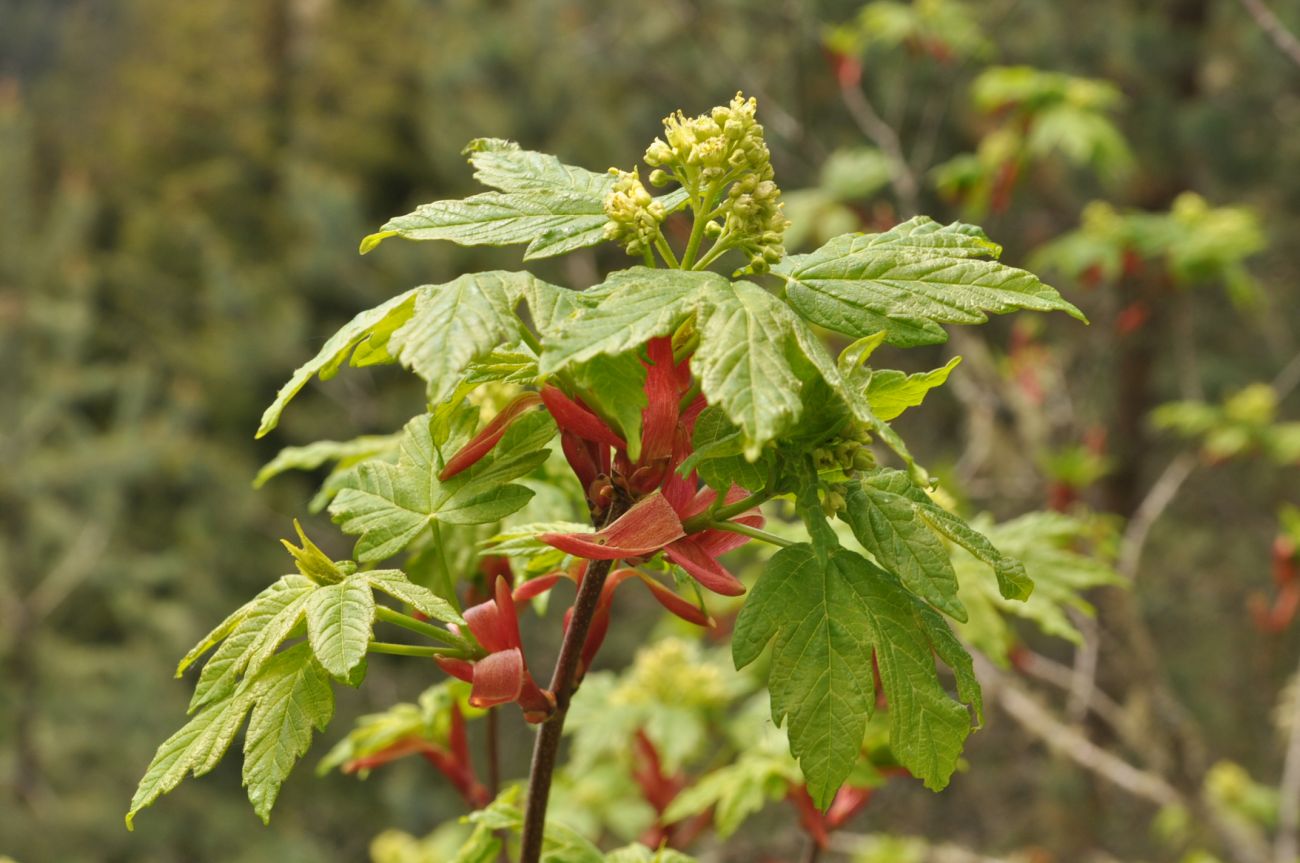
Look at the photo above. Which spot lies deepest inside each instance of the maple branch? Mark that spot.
(1286, 845)
(1069, 742)
(884, 137)
(1246, 845)
(546, 747)
(1287, 379)
(1157, 500)
(1061, 676)
(1273, 27)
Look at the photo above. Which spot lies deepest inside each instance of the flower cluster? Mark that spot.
(846, 453)
(716, 147)
(756, 218)
(634, 215)
(707, 152)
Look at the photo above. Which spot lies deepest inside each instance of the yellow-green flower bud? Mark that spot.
(658, 153)
(634, 214)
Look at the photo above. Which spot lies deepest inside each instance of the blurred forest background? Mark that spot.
(182, 190)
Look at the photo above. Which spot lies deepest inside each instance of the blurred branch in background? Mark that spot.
(1286, 848)
(1273, 27)
(1244, 843)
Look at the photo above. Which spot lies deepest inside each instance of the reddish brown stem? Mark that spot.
(564, 681)
(546, 748)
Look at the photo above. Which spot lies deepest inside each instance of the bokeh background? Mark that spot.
(182, 190)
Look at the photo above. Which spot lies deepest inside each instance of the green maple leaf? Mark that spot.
(890, 527)
(293, 697)
(258, 629)
(315, 454)
(560, 844)
(336, 604)
(377, 324)
(389, 505)
(550, 223)
(195, 749)
(456, 324)
(617, 387)
(909, 281)
(428, 719)
(898, 489)
(441, 332)
(750, 344)
(395, 583)
(340, 619)
(635, 305)
(826, 613)
(738, 790)
(553, 207)
(891, 392)
(754, 352)
(717, 455)
(1048, 544)
(505, 166)
(288, 697)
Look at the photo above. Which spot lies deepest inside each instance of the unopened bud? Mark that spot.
(658, 153)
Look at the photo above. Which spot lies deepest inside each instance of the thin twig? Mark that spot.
(1245, 844)
(1157, 500)
(884, 137)
(1083, 677)
(1287, 379)
(1069, 742)
(1273, 27)
(1286, 845)
(1039, 667)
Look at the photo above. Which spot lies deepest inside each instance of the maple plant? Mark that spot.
(687, 393)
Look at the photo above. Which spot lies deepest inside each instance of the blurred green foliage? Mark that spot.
(184, 186)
